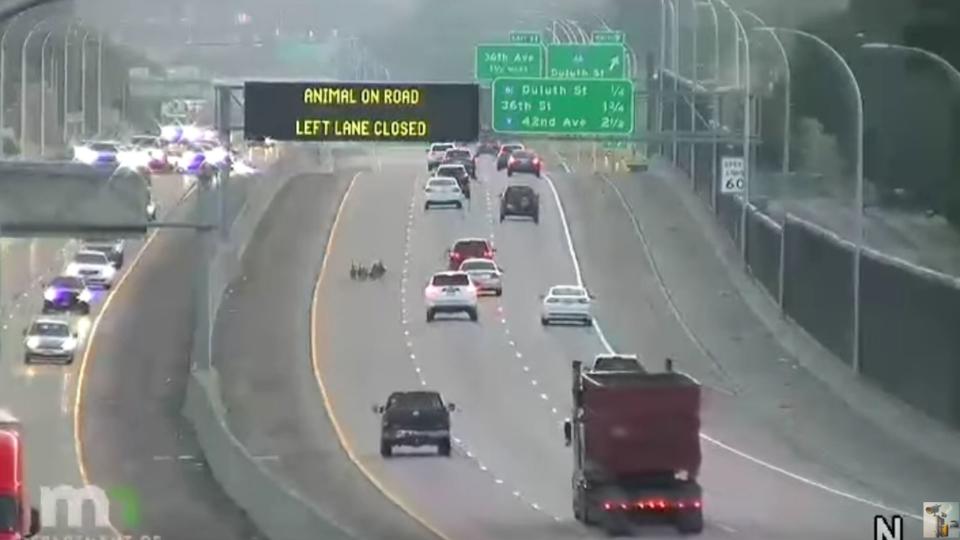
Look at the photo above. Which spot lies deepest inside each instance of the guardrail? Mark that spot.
(279, 511)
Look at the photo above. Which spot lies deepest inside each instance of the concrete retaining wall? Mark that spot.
(278, 511)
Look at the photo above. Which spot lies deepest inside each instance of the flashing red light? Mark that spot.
(661, 504)
(536, 161)
(607, 506)
(680, 504)
(696, 504)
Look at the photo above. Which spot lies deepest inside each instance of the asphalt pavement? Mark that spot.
(509, 477)
(133, 432)
(261, 352)
(42, 397)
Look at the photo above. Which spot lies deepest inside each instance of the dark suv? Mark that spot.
(468, 248)
(520, 201)
(464, 157)
(417, 418)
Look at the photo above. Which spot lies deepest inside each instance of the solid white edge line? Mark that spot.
(575, 259)
(704, 436)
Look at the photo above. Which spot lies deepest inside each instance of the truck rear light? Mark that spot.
(488, 254)
(608, 506)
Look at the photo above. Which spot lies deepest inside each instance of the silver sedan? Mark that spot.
(485, 274)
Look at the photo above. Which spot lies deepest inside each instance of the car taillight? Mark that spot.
(454, 255)
(536, 161)
(488, 254)
(511, 160)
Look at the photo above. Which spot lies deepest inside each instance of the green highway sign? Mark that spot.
(526, 37)
(563, 106)
(508, 60)
(607, 36)
(576, 61)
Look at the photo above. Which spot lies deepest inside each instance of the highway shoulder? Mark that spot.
(133, 431)
(261, 352)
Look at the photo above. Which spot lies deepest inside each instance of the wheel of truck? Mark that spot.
(430, 315)
(536, 218)
(443, 447)
(690, 521)
(386, 449)
(473, 314)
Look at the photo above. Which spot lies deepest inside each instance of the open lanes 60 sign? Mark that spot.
(331, 111)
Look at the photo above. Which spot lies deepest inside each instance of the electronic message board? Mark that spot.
(365, 112)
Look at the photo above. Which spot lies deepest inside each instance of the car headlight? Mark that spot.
(109, 271)
(33, 342)
(72, 270)
(85, 295)
(50, 294)
(70, 344)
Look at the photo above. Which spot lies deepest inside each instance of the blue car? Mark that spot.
(67, 294)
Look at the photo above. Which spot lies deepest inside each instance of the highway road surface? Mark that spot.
(132, 428)
(509, 477)
(43, 397)
(783, 458)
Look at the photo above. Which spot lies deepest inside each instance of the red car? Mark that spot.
(469, 248)
(155, 150)
(524, 161)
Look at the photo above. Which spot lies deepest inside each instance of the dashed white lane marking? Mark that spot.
(459, 443)
(716, 442)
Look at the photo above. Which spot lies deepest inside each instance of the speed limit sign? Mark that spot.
(731, 181)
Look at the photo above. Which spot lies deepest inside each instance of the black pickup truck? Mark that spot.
(418, 418)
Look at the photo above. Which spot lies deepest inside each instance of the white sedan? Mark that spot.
(442, 192)
(566, 303)
(485, 274)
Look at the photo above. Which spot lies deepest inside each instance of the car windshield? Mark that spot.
(519, 191)
(458, 154)
(441, 182)
(415, 400)
(103, 147)
(616, 363)
(471, 247)
(449, 280)
(65, 282)
(511, 147)
(90, 258)
(440, 147)
(567, 291)
(9, 514)
(522, 154)
(51, 329)
(478, 265)
(447, 170)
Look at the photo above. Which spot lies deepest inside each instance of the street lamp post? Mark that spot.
(83, 84)
(66, 80)
(3, 83)
(100, 83)
(43, 93)
(660, 70)
(787, 102)
(675, 61)
(858, 244)
(939, 60)
(23, 86)
(693, 97)
(747, 125)
(716, 97)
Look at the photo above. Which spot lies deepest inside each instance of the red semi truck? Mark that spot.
(636, 448)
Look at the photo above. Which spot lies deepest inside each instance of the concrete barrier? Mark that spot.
(279, 511)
